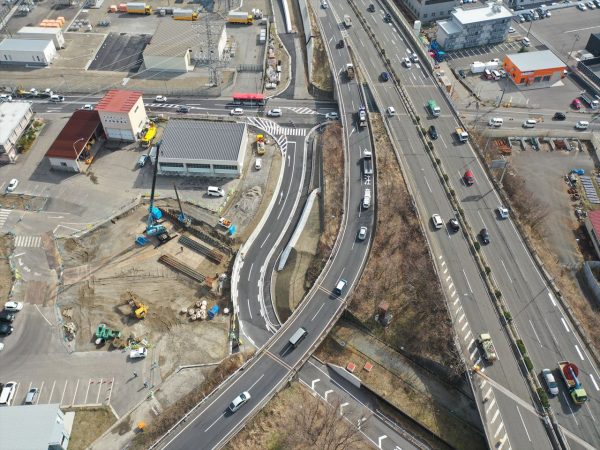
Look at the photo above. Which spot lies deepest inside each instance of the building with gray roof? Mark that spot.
(31, 427)
(27, 51)
(203, 148)
(14, 119)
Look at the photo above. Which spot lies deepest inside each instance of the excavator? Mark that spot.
(154, 214)
(139, 309)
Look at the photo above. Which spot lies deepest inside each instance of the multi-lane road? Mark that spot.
(541, 322)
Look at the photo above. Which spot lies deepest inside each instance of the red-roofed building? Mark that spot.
(73, 144)
(122, 114)
(592, 223)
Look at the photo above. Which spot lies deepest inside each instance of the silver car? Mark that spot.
(550, 381)
(239, 401)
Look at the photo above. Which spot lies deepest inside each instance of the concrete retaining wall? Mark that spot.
(306, 26)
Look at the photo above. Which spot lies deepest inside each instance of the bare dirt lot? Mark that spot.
(284, 425)
(6, 275)
(105, 269)
(400, 271)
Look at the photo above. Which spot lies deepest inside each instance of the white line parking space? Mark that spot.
(71, 392)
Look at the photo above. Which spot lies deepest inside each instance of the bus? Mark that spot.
(249, 99)
(433, 108)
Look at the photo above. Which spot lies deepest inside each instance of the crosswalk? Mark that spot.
(273, 128)
(300, 110)
(28, 241)
(4, 213)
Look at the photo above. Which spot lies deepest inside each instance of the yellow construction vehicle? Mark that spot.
(139, 309)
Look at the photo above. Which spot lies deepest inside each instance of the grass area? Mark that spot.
(322, 77)
(400, 271)
(332, 194)
(404, 395)
(173, 413)
(89, 424)
(6, 275)
(28, 138)
(295, 419)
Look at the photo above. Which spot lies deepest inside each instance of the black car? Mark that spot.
(385, 76)
(371, 8)
(6, 316)
(559, 116)
(454, 225)
(433, 133)
(485, 236)
(387, 18)
(5, 328)
(183, 109)
(341, 44)
(462, 74)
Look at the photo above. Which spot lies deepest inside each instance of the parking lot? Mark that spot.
(463, 58)
(121, 52)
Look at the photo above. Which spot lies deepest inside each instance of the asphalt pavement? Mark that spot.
(542, 324)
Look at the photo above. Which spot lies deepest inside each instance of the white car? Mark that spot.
(239, 401)
(582, 125)
(407, 62)
(140, 352)
(161, 99)
(13, 306)
(88, 107)
(12, 185)
(236, 112)
(332, 116)
(391, 111)
(437, 221)
(276, 112)
(362, 233)
(511, 30)
(581, 7)
(550, 381)
(324, 4)
(502, 212)
(591, 5)
(258, 164)
(5, 98)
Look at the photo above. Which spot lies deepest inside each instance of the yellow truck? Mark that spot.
(240, 17)
(139, 8)
(185, 14)
(149, 136)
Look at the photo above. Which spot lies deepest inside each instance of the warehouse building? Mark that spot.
(429, 10)
(14, 119)
(122, 114)
(42, 33)
(593, 44)
(28, 427)
(26, 51)
(176, 44)
(203, 148)
(474, 27)
(534, 69)
(73, 145)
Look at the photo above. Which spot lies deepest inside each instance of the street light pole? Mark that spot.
(574, 42)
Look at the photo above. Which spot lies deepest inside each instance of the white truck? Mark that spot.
(489, 351)
(347, 21)
(137, 353)
(367, 162)
(461, 134)
(590, 100)
(366, 203)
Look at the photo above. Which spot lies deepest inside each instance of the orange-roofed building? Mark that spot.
(535, 69)
(122, 114)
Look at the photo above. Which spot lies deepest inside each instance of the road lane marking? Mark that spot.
(249, 309)
(381, 438)
(110, 390)
(265, 241)
(467, 280)
(250, 271)
(570, 409)
(507, 274)
(40, 393)
(327, 393)
(51, 392)
(342, 406)
(492, 403)
(464, 326)
(456, 301)
(590, 411)
(212, 424)
(313, 382)
(99, 390)
(594, 382)
(535, 332)
(471, 342)
(427, 183)
(461, 318)
(523, 422)
(75, 394)
(453, 294)
(467, 335)
(318, 311)
(473, 354)
(579, 352)
(499, 429)
(564, 322)
(63, 394)
(496, 416)
(87, 390)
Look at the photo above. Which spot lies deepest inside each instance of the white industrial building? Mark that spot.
(474, 27)
(203, 148)
(28, 427)
(176, 43)
(122, 114)
(27, 51)
(14, 119)
(42, 33)
(429, 10)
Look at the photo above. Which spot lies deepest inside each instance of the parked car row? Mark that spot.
(8, 390)
(7, 317)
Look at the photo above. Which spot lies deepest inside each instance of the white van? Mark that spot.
(496, 122)
(366, 203)
(215, 191)
(57, 98)
(7, 394)
(496, 75)
(526, 42)
(582, 125)
(298, 336)
(391, 111)
(529, 123)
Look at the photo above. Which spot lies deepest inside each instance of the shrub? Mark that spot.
(498, 294)
(528, 363)
(477, 245)
(521, 347)
(543, 397)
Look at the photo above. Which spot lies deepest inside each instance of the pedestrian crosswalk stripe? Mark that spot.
(301, 110)
(273, 128)
(28, 241)
(4, 213)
